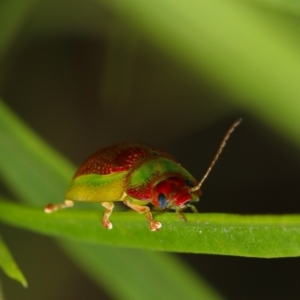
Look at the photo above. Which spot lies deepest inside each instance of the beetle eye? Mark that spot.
(162, 201)
(187, 182)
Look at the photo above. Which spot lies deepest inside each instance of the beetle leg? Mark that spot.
(105, 220)
(181, 215)
(154, 225)
(54, 207)
(192, 207)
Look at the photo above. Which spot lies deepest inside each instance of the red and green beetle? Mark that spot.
(137, 175)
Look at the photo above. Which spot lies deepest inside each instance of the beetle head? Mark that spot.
(174, 193)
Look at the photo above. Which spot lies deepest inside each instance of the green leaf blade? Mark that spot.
(226, 234)
(34, 172)
(9, 266)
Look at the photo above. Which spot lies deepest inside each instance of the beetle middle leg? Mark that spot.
(109, 206)
(154, 225)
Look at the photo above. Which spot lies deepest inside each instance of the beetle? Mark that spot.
(137, 175)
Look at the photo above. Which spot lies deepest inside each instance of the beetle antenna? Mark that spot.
(222, 145)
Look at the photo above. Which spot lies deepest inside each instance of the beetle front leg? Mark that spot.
(192, 207)
(105, 220)
(154, 225)
(181, 215)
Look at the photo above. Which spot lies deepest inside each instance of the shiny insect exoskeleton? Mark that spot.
(137, 175)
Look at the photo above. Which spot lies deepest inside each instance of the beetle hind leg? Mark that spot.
(54, 207)
(109, 206)
(154, 225)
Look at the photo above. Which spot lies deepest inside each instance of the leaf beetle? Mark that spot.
(137, 175)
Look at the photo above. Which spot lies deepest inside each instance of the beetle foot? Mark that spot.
(50, 208)
(107, 224)
(155, 225)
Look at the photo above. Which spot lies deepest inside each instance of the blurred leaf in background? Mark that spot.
(9, 266)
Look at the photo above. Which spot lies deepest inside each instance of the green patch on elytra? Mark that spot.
(156, 167)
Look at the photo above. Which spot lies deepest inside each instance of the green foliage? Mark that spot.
(9, 266)
(252, 54)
